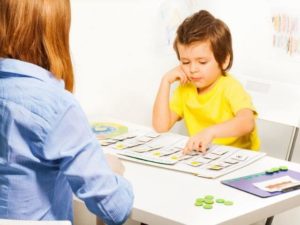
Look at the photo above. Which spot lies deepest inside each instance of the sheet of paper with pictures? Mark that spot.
(165, 150)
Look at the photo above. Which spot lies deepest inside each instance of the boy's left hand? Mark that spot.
(199, 142)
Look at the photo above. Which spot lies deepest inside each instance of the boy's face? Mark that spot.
(199, 64)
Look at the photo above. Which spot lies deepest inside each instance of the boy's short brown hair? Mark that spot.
(203, 26)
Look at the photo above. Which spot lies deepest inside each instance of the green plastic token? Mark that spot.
(209, 201)
(275, 169)
(228, 203)
(270, 171)
(209, 197)
(199, 199)
(283, 168)
(220, 200)
(198, 203)
(207, 206)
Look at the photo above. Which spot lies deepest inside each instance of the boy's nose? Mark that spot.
(193, 69)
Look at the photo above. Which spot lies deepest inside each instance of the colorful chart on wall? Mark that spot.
(105, 130)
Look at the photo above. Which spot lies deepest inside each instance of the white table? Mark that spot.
(166, 197)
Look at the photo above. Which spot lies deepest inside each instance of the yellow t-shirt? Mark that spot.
(218, 105)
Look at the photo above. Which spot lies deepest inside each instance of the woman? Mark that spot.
(47, 149)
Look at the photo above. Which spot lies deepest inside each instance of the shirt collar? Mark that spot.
(28, 69)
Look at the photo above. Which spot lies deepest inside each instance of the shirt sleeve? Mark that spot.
(238, 98)
(176, 102)
(82, 161)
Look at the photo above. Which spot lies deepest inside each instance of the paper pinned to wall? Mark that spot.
(286, 29)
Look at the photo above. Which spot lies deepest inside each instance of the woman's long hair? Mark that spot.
(37, 31)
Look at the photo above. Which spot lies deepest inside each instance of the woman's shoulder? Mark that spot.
(48, 102)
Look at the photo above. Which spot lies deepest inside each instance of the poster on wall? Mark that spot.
(286, 29)
(172, 13)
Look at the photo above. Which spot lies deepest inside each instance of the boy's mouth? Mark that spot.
(196, 79)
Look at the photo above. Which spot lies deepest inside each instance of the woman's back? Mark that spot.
(47, 148)
(31, 103)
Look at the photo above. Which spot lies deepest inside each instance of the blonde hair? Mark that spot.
(37, 31)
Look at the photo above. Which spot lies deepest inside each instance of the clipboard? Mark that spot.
(246, 183)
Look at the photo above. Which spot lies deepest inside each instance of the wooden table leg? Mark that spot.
(99, 221)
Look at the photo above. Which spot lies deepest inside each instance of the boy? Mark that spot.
(215, 107)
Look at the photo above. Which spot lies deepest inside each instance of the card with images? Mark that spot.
(277, 184)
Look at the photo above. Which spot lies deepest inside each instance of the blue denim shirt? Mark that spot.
(48, 151)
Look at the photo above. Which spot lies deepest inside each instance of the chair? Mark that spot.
(29, 222)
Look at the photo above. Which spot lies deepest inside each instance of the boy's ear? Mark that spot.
(226, 63)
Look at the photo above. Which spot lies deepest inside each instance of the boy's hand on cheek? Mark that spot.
(176, 74)
(199, 142)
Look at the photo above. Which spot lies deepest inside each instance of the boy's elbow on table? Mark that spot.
(161, 128)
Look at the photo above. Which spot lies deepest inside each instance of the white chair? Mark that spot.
(29, 222)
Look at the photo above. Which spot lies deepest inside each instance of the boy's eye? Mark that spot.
(185, 63)
(203, 62)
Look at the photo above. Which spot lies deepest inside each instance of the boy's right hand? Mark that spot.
(176, 74)
(200, 142)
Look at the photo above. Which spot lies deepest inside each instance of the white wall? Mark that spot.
(120, 53)
(114, 47)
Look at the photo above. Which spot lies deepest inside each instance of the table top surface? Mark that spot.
(165, 196)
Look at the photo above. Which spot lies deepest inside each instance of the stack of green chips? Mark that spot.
(208, 201)
(276, 169)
